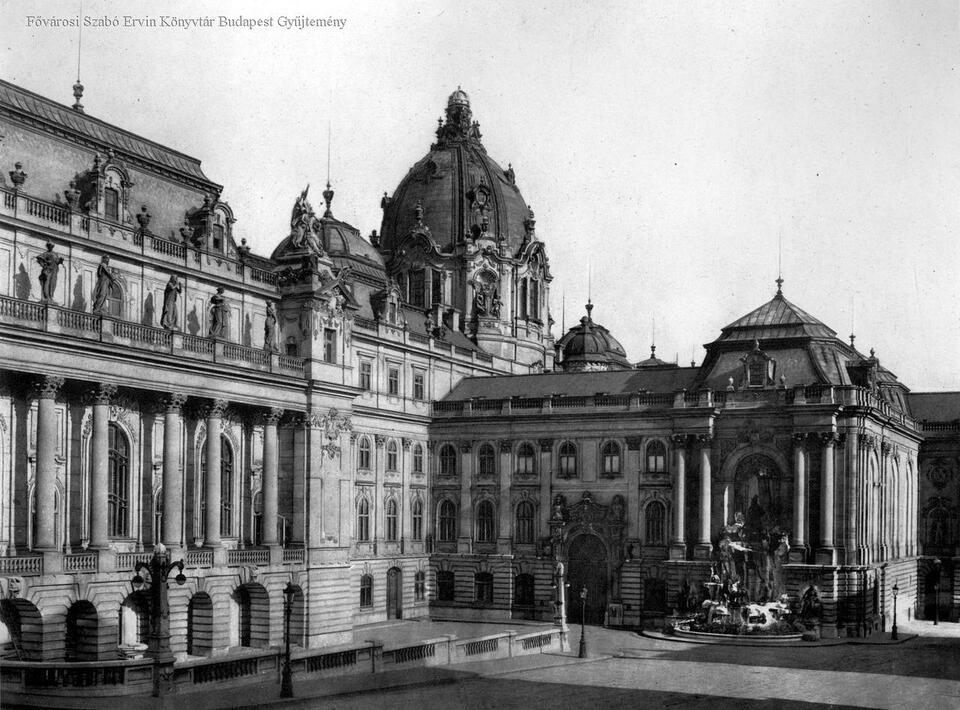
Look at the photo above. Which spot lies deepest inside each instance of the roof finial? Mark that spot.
(779, 262)
(852, 338)
(589, 310)
(779, 283)
(328, 198)
(78, 87)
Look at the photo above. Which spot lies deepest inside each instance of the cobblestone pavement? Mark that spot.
(631, 671)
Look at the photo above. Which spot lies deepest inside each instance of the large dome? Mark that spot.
(458, 187)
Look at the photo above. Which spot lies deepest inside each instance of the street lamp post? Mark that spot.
(583, 621)
(286, 676)
(893, 630)
(936, 591)
(158, 569)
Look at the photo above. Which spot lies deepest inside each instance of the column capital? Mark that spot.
(705, 440)
(100, 393)
(272, 415)
(679, 440)
(828, 438)
(800, 439)
(545, 444)
(213, 409)
(48, 386)
(634, 443)
(171, 402)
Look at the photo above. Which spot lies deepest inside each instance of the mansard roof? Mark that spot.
(33, 108)
(575, 384)
(935, 406)
(777, 318)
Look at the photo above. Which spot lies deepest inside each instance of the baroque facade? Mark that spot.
(388, 424)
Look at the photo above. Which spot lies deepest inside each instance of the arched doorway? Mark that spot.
(253, 609)
(394, 593)
(587, 567)
(81, 642)
(762, 494)
(200, 625)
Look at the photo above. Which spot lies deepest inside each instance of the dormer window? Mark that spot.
(416, 283)
(759, 368)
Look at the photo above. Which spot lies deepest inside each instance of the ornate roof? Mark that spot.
(654, 361)
(777, 318)
(455, 188)
(589, 346)
(31, 106)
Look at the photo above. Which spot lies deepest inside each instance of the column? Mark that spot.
(45, 534)
(270, 476)
(505, 512)
(406, 501)
(100, 398)
(172, 532)
(544, 470)
(704, 548)
(466, 476)
(378, 506)
(678, 547)
(211, 537)
(827, 488)
(798, 544)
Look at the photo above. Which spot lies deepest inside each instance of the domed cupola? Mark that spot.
(461, 244)
(463, 192)
(589, 346)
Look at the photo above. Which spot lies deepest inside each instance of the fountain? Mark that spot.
(744, 599)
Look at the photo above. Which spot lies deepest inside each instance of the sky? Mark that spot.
(674, 152)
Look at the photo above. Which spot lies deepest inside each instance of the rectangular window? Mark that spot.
(418, 288)
(535, 300)
(111, 204)
(418, 391)
(216, 243)
(436, 286)
(329, 345)
(366, 369)
(419, 586)
(393, 381)
(523, 299)
(446, 586)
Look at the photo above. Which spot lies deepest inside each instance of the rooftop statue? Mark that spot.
(304, 225)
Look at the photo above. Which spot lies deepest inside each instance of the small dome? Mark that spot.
(459, 97)
(654, 361)
(589, 346)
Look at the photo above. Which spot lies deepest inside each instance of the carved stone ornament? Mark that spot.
(545, 444)
(465, 446)
(101, 394)
(940, 472)
(272, 415)
(506, 446)
(48, 387)
(405, 443)
(172, 402)
(379, 440)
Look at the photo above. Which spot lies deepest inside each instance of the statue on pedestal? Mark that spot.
(49, 271)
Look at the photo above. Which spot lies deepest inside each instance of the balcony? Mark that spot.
(125, 238)
(53, 319)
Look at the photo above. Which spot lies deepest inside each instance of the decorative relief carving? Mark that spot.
(101, 394)
(465, 446)
(634, 443)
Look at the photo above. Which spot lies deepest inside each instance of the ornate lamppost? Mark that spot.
(583, 621)
(936, 591)
(286, 675)
(158, 570)
(893, 629)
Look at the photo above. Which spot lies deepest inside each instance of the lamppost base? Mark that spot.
(582, 653)
(893, 634)
(286, 684)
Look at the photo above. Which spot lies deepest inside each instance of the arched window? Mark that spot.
(568, 460)
(611, 458)
(363, 520)
(257, 506)
(363, 453)
(524, 534)
(448, 460)
(656, 457)
(487, 460)
(483, 587)
(526, 460)
(485, 520)
(524, 590)
(226, 488)
(392, 456)
(417, 458)
(416, 515)
(655, 516)
(446, 586)
(366, 590)
(111, 203)
(118, 467)
(114, 305)
(134, 620)
(419, 586)
(447, 523)
(392, 520)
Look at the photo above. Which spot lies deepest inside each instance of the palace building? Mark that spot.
(386, 423)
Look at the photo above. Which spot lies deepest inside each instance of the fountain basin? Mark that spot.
(738, 639)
